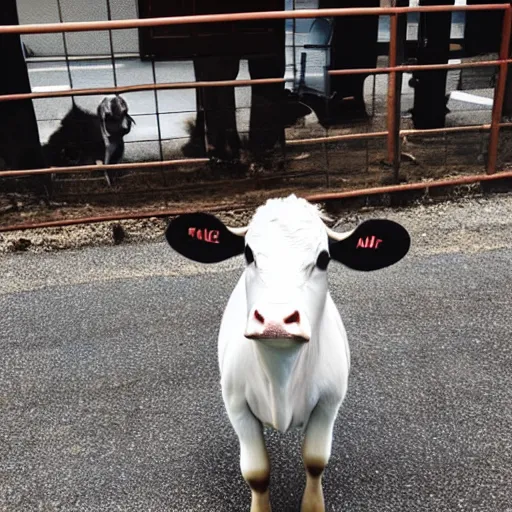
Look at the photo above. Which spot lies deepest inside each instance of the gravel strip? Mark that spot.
(465, 224)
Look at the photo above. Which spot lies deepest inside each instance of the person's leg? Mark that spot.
(219, 106)
(266, 127)
(354, 45)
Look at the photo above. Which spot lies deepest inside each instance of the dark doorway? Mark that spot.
(204, 39)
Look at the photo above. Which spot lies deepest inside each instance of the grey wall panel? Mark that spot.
(81, 43)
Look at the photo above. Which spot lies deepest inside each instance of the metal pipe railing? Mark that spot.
(409, 68)
(316, 198)
(499, 92)
(391, 94)
(195, 161)
(336, 138)
(242, 83)
(84, 26)
(141, 87)
(102, 167)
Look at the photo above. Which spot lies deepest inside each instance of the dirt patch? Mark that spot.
(344, 213)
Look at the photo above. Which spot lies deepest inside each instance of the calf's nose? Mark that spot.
(259, 317)
(294, 318)
(277, 321)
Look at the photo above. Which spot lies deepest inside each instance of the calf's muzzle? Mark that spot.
(277, 322)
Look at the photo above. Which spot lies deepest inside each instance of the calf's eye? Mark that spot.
(323, 260)
(249, 256)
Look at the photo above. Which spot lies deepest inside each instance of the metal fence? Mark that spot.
(393, 133)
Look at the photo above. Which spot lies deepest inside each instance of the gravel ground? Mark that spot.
(466, 224)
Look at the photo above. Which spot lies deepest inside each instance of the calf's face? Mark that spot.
(287, 254)
(114, 118)
(287, 249)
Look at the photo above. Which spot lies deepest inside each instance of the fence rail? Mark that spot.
(315, 198)
(48, 28)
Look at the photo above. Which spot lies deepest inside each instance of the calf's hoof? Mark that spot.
(260, 502)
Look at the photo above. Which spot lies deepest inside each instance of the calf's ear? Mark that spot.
(203, 237)
(373, 245)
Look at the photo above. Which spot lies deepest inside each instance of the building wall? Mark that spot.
(79, 43)
(97, 43)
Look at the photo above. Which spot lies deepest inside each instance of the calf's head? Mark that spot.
(287, 249)
(114, 119)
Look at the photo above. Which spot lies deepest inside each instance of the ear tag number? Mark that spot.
(205, 235)
(370, 242)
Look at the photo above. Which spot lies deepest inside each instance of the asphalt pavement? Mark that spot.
(110, 396)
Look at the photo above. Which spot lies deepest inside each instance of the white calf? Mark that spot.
(283, 350)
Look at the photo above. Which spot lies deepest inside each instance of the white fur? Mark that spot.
(284, 384)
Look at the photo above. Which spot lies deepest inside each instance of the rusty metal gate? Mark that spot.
(392, 133)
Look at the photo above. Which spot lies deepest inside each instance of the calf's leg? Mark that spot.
(254, 461)
(316, 452)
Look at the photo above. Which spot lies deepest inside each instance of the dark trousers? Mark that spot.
(354, 45)
(266, 126)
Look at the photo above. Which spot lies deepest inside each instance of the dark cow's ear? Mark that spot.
(203, 237)
(373, 245)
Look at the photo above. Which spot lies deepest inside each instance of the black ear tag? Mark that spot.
(203, 237)
(375, 244)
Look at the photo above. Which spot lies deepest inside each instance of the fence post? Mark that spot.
(393, 100)
(499, 92)
(20, 147)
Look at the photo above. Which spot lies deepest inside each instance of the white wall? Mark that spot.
(79, 43)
